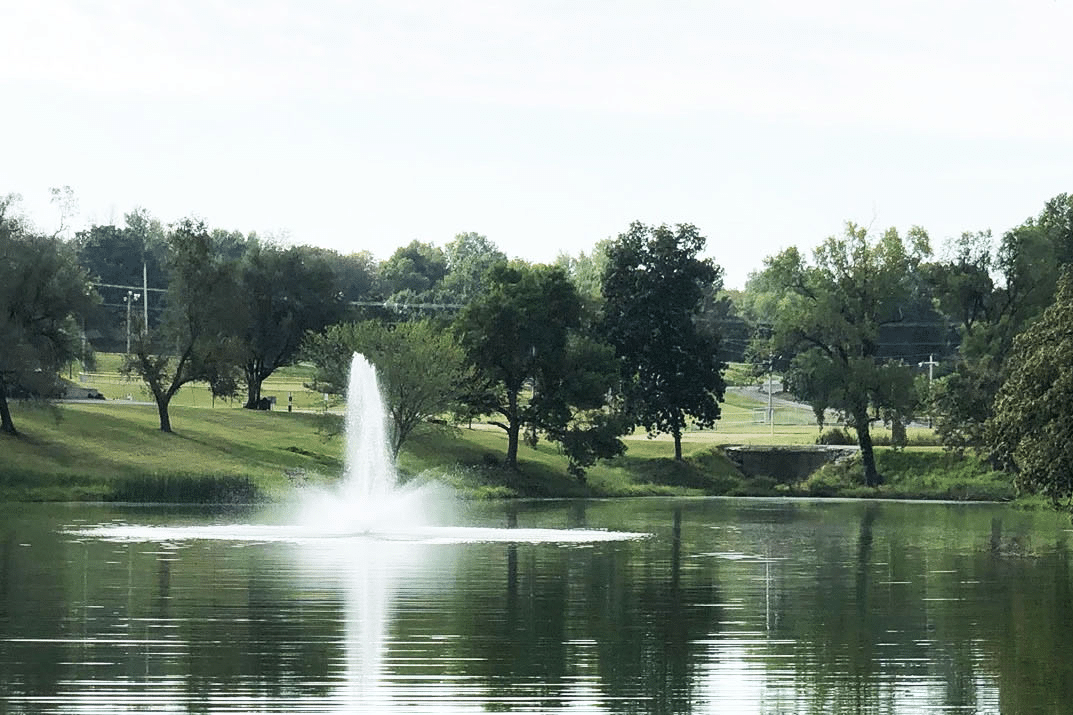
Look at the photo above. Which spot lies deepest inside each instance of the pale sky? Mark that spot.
(546, 126)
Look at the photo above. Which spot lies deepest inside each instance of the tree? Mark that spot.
(284, 294)
(469, 256)
(654, 286)
(1031, 431)
(195, 340)
(993, 297)
(420, 368)
(42, 292)
(827, 319)
(521, 332)
(413, 273)
(120, 257)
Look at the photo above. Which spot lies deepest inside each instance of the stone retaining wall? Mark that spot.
(786, 465)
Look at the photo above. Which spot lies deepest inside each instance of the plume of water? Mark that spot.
(369, 499)
(370, 474)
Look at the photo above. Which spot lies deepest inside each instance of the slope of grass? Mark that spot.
(117, 451)
(110, 450)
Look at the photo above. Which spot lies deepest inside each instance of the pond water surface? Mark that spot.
(725, 606)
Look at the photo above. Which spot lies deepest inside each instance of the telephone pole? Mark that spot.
(931, 366)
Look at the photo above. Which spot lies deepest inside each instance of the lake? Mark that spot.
(724, 605)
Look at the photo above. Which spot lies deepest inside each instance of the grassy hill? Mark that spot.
(113, 450)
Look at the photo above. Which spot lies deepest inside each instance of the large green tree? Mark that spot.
(469, 256)
(284, 293)
(654, 288)
(195, 340)
(42, 292)
(413, 274)
(992, 294)
(420, 368)
(1031, 429)
(532, 366)
(827, 316)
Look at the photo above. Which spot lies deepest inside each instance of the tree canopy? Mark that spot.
(283, 293)
(1031, 430)
(654, 285)
(827, 317)
(522, 331)
(195, 340)
(420, 368)
(43, 291)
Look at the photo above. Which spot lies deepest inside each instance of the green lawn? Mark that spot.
(114, 450)
(285, 382)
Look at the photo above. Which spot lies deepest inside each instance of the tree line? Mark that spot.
(635, 333)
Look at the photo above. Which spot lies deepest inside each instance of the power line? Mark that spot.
(137, 289)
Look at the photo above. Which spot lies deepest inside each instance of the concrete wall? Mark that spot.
(786, 465)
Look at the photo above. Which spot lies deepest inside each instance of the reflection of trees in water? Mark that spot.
(31, 607)
(649, 636)
(623, 622)
(869, 602)
(889, 611)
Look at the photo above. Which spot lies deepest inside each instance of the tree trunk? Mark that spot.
(162, 410)
(677, 445)
(512, 444)
(864, 439)
(6, 425)
(252, 372)
(514, 427)
(253, 392)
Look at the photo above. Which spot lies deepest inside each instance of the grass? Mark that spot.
(285, 382)
(114, 450)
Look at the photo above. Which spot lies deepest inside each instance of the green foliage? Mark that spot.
(990, 315)
(121, 257)
(420, 368)
(413, 273)
(827, 320)
(654, 286)
(836, 435)
(586, 272)
(284, 293)
(186, 490)
(42, 292)
(195, 340)
(1031, 431)
(924, 474)
(524, 330)
(469, 257)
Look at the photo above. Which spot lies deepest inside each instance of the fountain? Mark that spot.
(369, 474)
(368, 503)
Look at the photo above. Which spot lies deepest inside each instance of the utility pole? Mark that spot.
(931, 366)
(130, 298)
(145, 299)
(770, 406)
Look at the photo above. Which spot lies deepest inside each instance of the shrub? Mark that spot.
(836, 435)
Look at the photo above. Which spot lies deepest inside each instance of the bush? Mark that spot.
(186, 490)
(837, 436)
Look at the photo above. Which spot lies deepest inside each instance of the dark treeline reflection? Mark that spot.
(795, 607)
(624, 619)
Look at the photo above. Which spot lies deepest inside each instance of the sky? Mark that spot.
(362, 125)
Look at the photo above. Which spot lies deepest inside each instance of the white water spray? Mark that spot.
(369, 499)
(370, 474)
